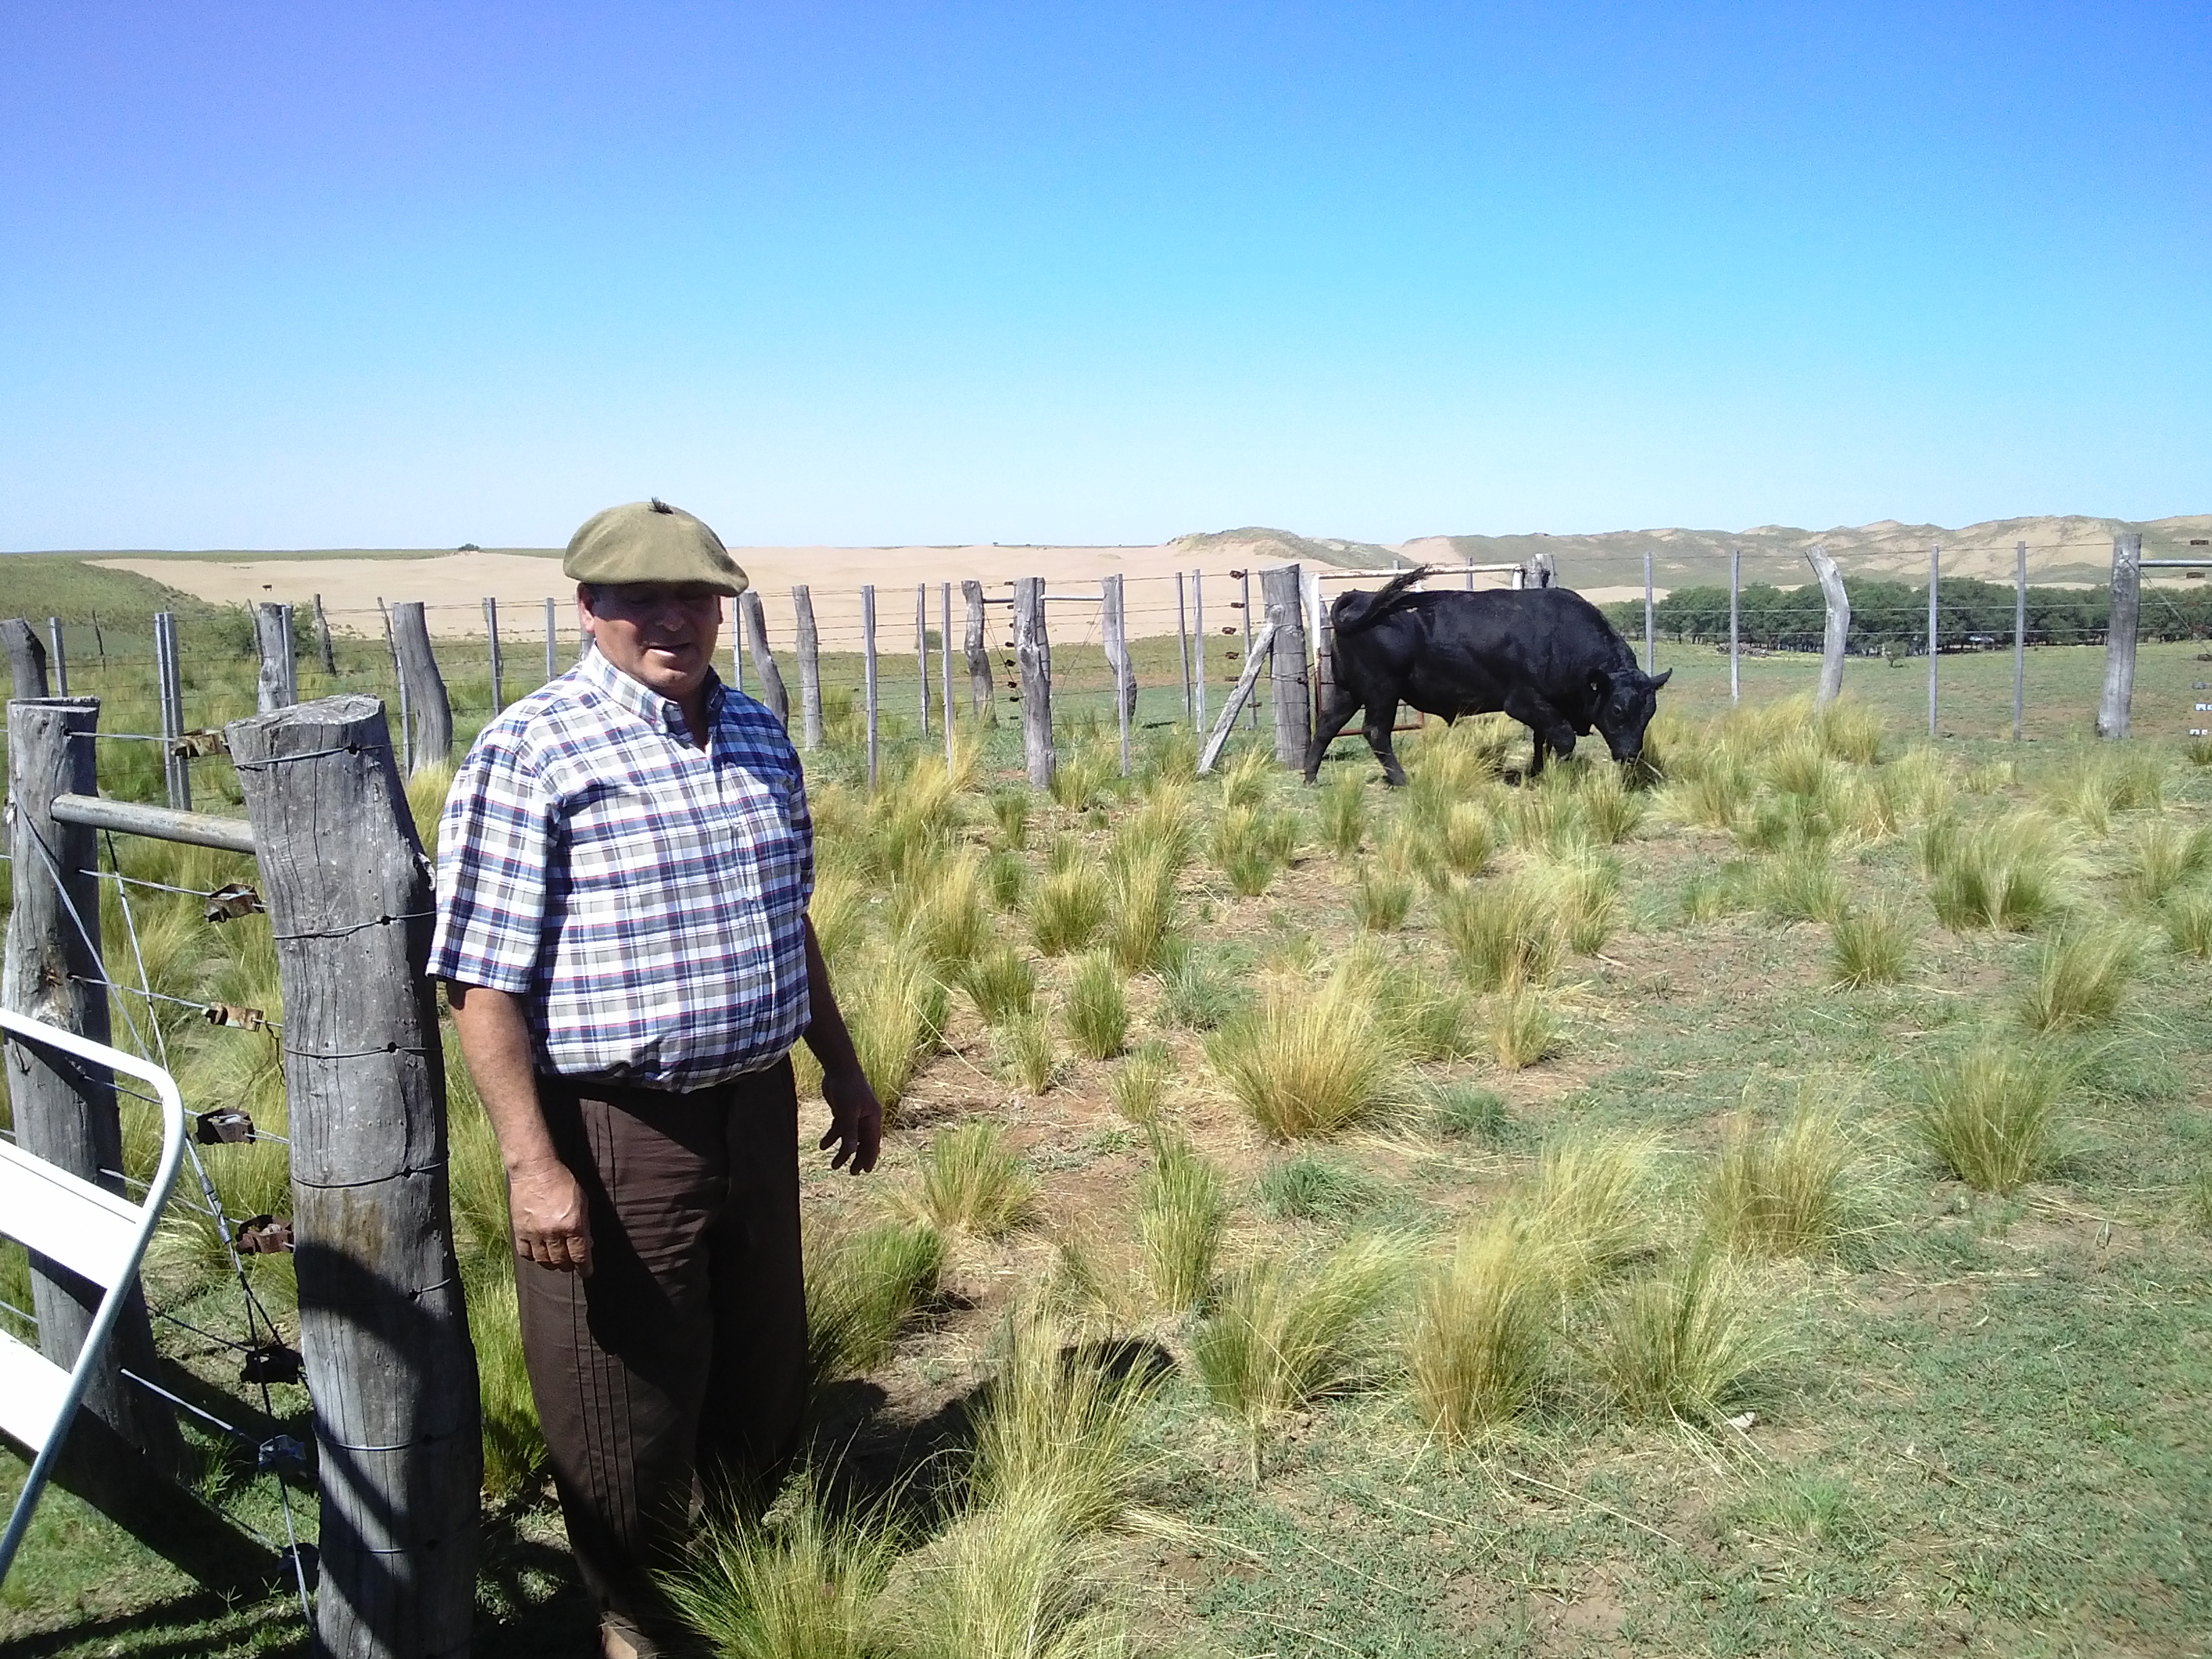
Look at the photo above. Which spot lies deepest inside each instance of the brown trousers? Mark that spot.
(681, 1362)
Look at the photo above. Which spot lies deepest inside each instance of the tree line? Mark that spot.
(1891, 617)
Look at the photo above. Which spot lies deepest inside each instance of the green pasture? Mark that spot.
(1761, 1203)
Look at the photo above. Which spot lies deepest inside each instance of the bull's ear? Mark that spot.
(1601, 683)
(1661, 678)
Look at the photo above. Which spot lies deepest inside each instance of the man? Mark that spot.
(624, 866)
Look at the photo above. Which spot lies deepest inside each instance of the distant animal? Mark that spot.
(1545, 655)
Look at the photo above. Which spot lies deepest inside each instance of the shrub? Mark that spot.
(1096, 1012)
(1069, 906)
(973, 1182)
(1873, 947)
(1024, 1042)
(1311, 1189)
(1344, 813)
(1002, 984)
(1990, 1114)
(1289, 1332)
(2010, 872)
(1523, 1030)
(1804, 886)
(1684, 1347)
(1780, 1191)
(861, 1290)
(2080, 979)
(1140, 1082)
(1504, 932)
(1481, 1324)
(1307, 1062)
(803, 1585)
(1381, 900)
(1181, 1212)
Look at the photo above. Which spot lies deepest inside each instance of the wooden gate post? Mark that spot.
(27, 658)
(810, 668)
(1114, 629)
(67, 1114)
(323, 640)
(277, 685)
(1838, 632)
(1033, 651)
(383, 1327)
(2114, 707)
(755, 621)
(1287, 663)
(429, 714)
(976, 647)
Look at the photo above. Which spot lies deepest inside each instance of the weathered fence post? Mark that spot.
(1540, 570)
(755, 621)
(400, 682)
(491, 634)
(868, 673)
(67, 1114)
(1033, 651)
(1735, 631)
(2019, 636)
(982, 692)
(809, 644)
(176, 765)
(430, 727)
(552, 663)
(323, 639)
(945, 666)
(1935, 639)
(1650, 644)
(278, 684)
(1244, 604)
(1198, 648)
(61, 656)
(1237, 696)
(1113, 631)
(27, 658)
(1324, 648)
(1183, 645)
(1287, 663)
(383, 1327)
(1314, 614)
(2114, 707)
(1839, 631)
(921, 648)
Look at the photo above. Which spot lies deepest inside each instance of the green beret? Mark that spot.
(651, 542)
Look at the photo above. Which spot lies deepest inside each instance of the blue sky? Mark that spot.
(364, 275)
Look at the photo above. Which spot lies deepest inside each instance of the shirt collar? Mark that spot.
(642, 700)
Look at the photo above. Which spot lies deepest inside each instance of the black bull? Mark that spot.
(1543, 655)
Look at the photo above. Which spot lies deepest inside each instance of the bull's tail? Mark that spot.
(1355, 611)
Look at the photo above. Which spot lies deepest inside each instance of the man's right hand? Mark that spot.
(552, 1224)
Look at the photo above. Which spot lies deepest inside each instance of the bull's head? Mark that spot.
(1626, 700)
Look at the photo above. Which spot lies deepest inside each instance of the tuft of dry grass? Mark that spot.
(1181, 1209)
(2013, 873)
(1068, 907)
(1097, 1008)
(1504, 932)
(1523, 1029)
(1001, 982)
(1872, 947)
(803, 1584)
(1781, 1191)
(861, 1290)
(1480, 1331)
(2189, 923)
(1684, 1347)
(2080, 979)
(974, 1182)
(1024, 1045)
(1344, 813)
(1139, 1086)
(1468, 838)
(896, 1008)
(1804, 886)
(2159, 857)
(1307, 1061)
(1381, 899)
(1990, 1114)
(1586, 1209)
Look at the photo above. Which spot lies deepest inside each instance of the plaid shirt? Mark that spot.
(644, 896)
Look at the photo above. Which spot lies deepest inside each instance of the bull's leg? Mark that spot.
(1380, 718)
(1549, 729)
(1342, 704)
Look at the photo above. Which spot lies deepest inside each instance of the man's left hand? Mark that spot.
(856, 1120)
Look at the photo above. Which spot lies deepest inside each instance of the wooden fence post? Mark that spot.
(27, 658)
(2114, 708)
(1183, 645)
(176, 766)
(1198, 649)
(430, 726)
(981, 691)
(552, 662)
(400, 681)
(1287, 663)
(2019, 636)
(921, 648)
(810, 668)
(1033, 651)
(945, 666)
(1650, 629)
(1238, 693)
(868, 673)
(53, 972)
(1934, 637)
(1839, 631)
(323, 639)
(1735, 631)
(1114, 629)
(277, 685)
(491, 633)
(755, 616)
(61, 656)
(383, 1327)
(1244, 604)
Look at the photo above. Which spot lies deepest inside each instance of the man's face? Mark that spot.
(661, 633)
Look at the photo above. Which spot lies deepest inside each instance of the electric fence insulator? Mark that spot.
(271, 1362)
(237, 1015)
(191, 744)
(229, 904)
(265, 1236)
(222, 1127)
(303, 1561)
(285, 1453)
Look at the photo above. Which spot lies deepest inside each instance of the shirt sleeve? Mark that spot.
(495, 842)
